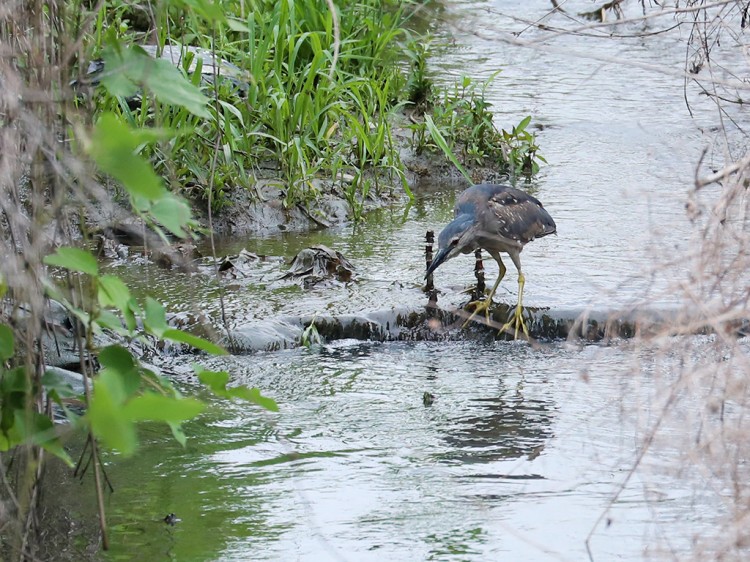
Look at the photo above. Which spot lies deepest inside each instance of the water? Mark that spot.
(526, 452)
(518, 457)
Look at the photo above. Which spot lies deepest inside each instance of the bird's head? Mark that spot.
(456, 238)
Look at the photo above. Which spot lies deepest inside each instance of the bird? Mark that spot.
(499, 219)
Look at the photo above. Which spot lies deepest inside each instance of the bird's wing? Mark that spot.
(514, 214)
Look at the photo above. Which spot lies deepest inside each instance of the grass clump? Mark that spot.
(461, 125)
(310, 102)
(310, 94)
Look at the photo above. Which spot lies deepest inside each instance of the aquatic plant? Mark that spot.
(420, 86)
(461, 122)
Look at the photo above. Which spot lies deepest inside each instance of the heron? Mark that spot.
(495, 218)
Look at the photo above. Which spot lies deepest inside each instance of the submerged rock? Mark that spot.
(435, 324)
(239, 265)
(318, 263)
(179, 255)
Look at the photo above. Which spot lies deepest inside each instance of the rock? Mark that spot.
(177, 255)
(318, 263)
(234, 267)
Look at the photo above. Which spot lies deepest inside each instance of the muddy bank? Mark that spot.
(261, 211)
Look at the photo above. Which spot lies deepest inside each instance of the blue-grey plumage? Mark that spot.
(495, 218)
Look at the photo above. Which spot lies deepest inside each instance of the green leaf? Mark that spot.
(74, 259)
(170, 86)
(238, 25)
(118, 361)
(112, 147)
(9, 439)
(54, 446)
(522, 125)
(118, 83)
(178, 433)
(41, 431)
(55, 382)
(118, 358)
(116, 79)
(253, 395)
(7, 342)
(107, 417)
(210, 11)
(156, 318)
(157, 407)
(128, 67)
(195, 341)
(14, 380)
(441, 142)
(113, 292)
(173, 213)
(217, 382)
(14, 389)
(159, 381)
(107, 319)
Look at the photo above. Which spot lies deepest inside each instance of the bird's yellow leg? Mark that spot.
(484, 305)
(517, 322)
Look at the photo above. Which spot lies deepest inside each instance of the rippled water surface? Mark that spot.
(519, 455)
(524, 449)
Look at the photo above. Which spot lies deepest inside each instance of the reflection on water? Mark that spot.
(516, 459)
(506, 427)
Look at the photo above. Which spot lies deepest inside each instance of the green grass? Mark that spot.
(308, 111)
(301, 114)
(462, 127)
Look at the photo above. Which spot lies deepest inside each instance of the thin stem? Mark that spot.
(214, 160)
(86, 370)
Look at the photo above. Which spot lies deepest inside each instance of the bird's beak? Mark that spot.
(440, 257)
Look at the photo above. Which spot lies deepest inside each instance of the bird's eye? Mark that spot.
(454, 242)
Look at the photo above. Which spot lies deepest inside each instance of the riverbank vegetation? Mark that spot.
(308, 94)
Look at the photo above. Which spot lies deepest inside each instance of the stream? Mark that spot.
(526, 452)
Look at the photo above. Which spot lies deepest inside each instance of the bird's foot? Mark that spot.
(479, 306)
(516, 323)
